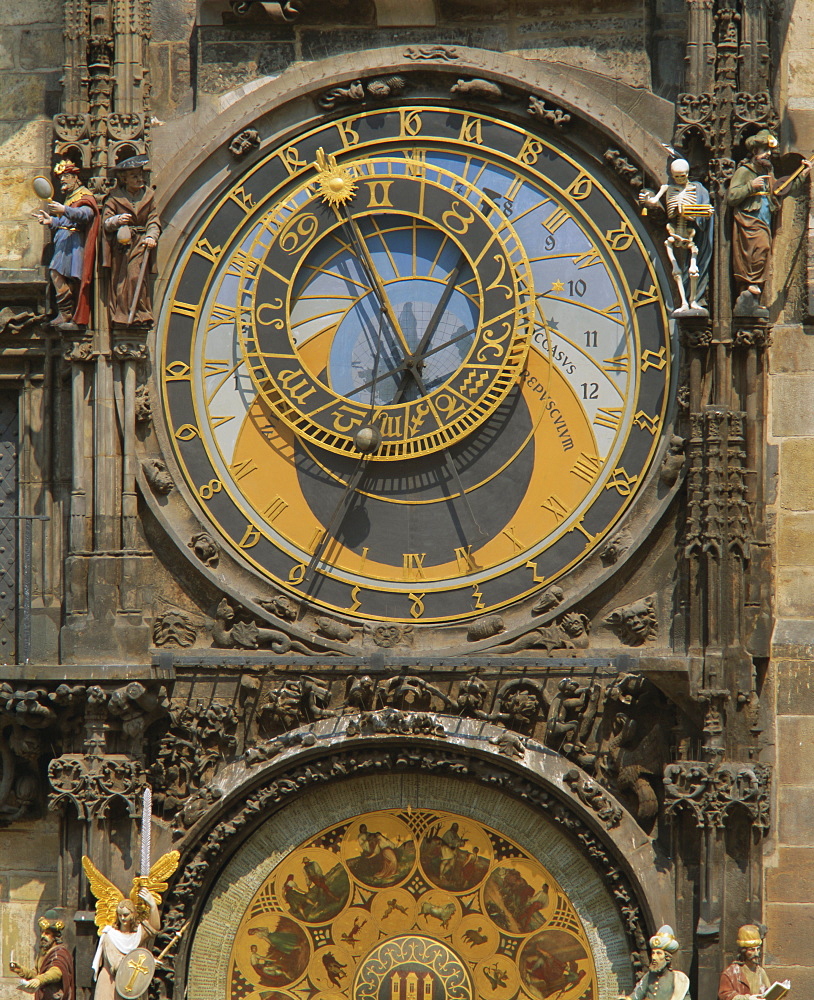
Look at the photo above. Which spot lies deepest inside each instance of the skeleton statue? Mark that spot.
(689, 233)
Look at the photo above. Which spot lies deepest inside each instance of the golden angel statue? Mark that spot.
(125, 923)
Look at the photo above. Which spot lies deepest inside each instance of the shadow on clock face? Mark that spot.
(416, 505)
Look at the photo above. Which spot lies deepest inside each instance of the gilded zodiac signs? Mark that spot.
(401, 904)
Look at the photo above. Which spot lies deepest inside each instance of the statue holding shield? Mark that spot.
(123, 966)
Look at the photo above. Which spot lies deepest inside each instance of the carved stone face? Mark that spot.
(658, 959)
(680, 171)
(638, 619)
(47, 938)
(751, 955)
(126, 916)
(132, 180)
(69, 182)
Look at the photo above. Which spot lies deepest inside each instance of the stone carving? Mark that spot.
(443, 53)
(74, 227)
(332, 629)
(689, 234)
(484, 90)
(485, 628)
(173, 628)
(408, 692)
(244, 142)
(144, 405)
(269, 749)
(91, 783)
(281, 607)
(519, 704)
(673, 461)
(389, 636)
(20, 788)
(718, 514)
(710, 791)
(17, 322)
(510, 745)
(754, 194)
(569, 632)
(571, 719)
(131, 229)
(624, 168)
(129, 351)
(377, 90)
(196, 806)
(229, 632)
(594, 797)
(155, 472)
(293, 703)
(550, 599)
(472, 698)
(281, 10)
(631, 746)
(634, 624)
(393, 721)
(545, 113)
(199, 737)
(204, 547)
(616, 548)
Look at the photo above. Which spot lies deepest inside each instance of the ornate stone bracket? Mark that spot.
(91, 783)
(712, 791)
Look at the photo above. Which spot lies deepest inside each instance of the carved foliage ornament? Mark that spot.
(712, 791)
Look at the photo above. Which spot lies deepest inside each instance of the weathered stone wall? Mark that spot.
(29, 861)
(790, 861)
(31, 59)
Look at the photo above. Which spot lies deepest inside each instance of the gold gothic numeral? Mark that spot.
(620, 365)
(651, 359)
(586, 467)
(177, 371)
(465, 559)
(609, 417)
(275, 509)
(240, 470)
(621, 482)
(556, 507)
(557, 218)
(413, 568)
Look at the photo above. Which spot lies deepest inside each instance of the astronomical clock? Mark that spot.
(415, 368)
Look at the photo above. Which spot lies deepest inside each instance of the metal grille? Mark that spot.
(9, 435)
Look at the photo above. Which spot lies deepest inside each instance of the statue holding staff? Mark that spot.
(131, 229)
(754, 195)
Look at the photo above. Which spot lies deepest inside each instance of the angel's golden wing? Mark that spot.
(155, 882)
(107, 895)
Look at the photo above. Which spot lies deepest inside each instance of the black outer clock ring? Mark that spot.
(653, 380)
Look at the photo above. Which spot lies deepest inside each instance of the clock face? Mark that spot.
(415, 364)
